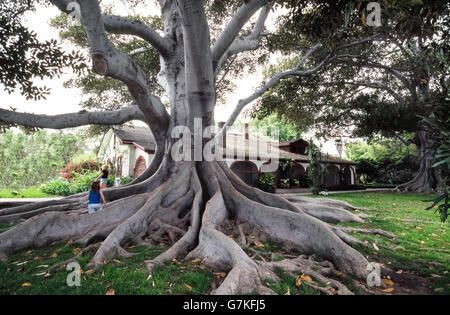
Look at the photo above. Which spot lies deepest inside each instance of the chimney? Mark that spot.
(224, 137)
(246, 131)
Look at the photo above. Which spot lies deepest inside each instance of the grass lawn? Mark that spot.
(422, 244)
(25, 272)
(32, 192)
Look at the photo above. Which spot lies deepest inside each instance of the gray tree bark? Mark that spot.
(193, 202)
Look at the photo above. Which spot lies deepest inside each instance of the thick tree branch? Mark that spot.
(121, 25)
(248, 43)
(372, 85)
(363, 62)
(71, 120)
(108, 61)
(231, 31)
(272, 82)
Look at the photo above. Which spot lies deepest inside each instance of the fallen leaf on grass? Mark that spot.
(259, 244)
(188, 286)
(399, 272)
(42, 266)
(419, 228)
(288, 291)
(117, 261)
(251, 236)
(196, 260)
(54, 255)
(26, 284)
(76, 251)
(298, 281)
(90, 271)
(375, 246)
(436, 276)
(70, 242)
(111, 292)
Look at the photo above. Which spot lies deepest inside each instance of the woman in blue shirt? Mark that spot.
(96, 198)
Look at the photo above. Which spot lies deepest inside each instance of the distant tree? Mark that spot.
(30, 160)
(315, 169)
(286, 129)
(384, 87)
(384, 161)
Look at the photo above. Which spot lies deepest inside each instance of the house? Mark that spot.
(131, 149)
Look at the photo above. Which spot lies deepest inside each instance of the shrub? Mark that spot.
(57, 187)
(266, 182)
(77, 184)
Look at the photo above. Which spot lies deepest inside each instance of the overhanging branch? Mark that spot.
(248, 43)
(71, 120)
(108, 61)
(121, 25)
(228, 35)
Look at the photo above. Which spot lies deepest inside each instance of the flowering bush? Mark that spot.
(82, 167)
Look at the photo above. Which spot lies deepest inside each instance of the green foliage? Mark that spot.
(30, 160)
(24, 58)
(439, 122)
(443, 207)
(286, 129)
(78, 182)
(266, 182)
(315, 170)
(285, 183)
(336, 100)
(384, 161)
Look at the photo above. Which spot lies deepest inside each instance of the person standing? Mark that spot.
(96, 198)
(104, 177)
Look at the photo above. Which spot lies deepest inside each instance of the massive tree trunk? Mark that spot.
(426, 179)
(195, 202)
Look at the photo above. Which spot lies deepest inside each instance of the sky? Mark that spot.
(65, 100)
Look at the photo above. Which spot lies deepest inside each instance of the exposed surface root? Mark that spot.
(318, 271)
(305, 232)
(52, 227)
(76, 257)
(136, 226)
(195, 206)
(188, 241)
(330, 214)
(367, 231)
